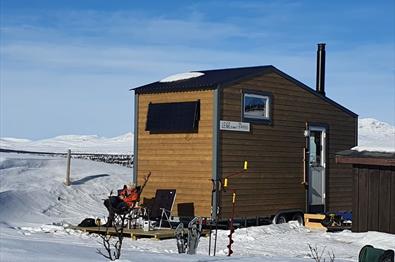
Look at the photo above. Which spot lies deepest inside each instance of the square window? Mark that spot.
(256, 107)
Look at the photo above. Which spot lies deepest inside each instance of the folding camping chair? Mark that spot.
(162, 206)
(133, 212)
(137, 212)
(129, 214)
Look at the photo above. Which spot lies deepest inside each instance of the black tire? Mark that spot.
(298, 217)
(281, 219)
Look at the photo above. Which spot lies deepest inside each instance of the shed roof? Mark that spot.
(366, 158)
(213, 79)
(210, 80)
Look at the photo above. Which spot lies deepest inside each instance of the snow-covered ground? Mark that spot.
(372, 135)
(36, 207)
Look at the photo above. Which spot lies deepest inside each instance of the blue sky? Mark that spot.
(66, 66)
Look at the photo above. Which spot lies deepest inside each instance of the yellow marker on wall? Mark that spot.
(225, 183)
(234, 198)
(245, 165)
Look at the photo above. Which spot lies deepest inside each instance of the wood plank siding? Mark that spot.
(178, 161)
(374, 198)
(275, 152)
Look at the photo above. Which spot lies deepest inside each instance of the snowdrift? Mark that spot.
(32, 189)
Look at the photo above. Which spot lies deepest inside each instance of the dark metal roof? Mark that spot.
(213, 79)
(209, 80)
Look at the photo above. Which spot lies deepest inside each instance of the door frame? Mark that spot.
(311, 126)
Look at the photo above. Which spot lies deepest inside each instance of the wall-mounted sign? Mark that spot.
(234, 126)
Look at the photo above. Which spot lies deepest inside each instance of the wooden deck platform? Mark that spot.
(158, 234)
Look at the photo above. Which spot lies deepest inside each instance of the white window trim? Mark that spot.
(267, 107)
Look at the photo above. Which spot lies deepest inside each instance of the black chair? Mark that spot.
(162, 206)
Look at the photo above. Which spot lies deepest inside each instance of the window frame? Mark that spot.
(162, 130)
(269, 107)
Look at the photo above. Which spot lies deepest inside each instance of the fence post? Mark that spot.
(68, 168)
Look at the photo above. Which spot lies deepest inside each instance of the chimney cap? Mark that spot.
(321, 45)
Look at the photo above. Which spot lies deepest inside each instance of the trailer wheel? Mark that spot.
(298, 217)
(281, 219)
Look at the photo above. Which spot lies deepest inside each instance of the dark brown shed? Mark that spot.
(373, 190)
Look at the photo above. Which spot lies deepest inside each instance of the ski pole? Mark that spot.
(216, 225)
(211, 224)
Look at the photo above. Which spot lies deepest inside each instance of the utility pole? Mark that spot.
(67, 182)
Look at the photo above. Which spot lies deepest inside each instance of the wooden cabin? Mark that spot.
(194, 131)
(373, 207)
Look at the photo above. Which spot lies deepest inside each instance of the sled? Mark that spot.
(339, 221)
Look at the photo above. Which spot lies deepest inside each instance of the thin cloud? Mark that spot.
(108, 52)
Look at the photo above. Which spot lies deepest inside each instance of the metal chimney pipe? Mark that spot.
(320, 87)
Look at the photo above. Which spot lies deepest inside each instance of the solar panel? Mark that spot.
(178, 117)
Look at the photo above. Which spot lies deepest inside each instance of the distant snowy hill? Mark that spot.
(372, 135)
(77, 143)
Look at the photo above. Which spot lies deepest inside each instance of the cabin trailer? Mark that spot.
(194, 130)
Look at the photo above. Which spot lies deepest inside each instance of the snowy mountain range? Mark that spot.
(372, 135)
(77, 143)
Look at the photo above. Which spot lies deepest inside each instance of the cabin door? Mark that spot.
(317, 165)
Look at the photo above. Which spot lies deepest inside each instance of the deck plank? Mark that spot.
(158, 234)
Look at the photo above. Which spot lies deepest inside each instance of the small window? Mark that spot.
(180, 117)
(256, 107)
